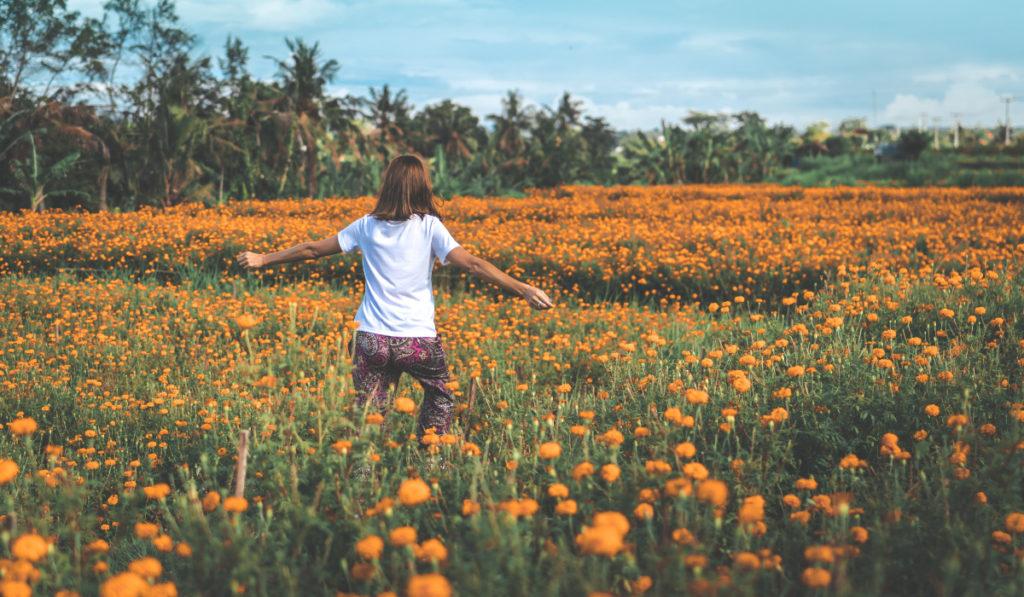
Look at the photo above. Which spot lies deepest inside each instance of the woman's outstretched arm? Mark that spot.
(300, 252)
(486, 270)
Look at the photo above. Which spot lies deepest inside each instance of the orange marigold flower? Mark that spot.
(146, 530)
(148, 567)
(157, 492)
(566, 507)
(431, 550)
(610, 472)
(402, 536)
(550, 450)
(124, 584)
(685, 450)
(413, 492)
(428, 585)
(235, 504)
(8, 471)
(30, 547)
(469, 507)
(23, 426)
(210, 501)
(713, 491)
(558, 490)
(816, 578)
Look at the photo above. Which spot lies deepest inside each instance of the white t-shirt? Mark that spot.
(398, 259)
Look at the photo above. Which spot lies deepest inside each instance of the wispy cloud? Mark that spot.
(636, 66)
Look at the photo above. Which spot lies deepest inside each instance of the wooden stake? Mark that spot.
(240, 466)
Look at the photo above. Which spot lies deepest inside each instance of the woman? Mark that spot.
(399, 241)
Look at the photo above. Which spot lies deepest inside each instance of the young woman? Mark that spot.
(399, 241)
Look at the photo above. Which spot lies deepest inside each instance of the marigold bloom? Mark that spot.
(210, 501)
(612, 437)
(246, 321)
(713, 491)
(413, 492)
(550, 450)
(30, 547)
(566, 508)
(695, 396)
(370, 547)
(431, 550)
(163, 589)
(469, 507)
(146, 530)
(695, 471)
(428, 585)
(23, 426)
(600, 540)
(157, 492)
(235, 504)
(558, 490)
(402, 536)
(685, 450)
(148, 567)
(126, 584)
(816, 578)
(746, 560)
(8, 471)
(819, 553)
(1014, 522)
(610, 472)
(583, 469)
(405, 405)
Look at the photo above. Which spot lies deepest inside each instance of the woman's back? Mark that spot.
(397, 261)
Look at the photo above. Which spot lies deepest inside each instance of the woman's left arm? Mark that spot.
(300, 252)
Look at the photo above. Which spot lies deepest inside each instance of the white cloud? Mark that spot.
(976, 103)
(262, 15)
(972, 73)
(717, 42)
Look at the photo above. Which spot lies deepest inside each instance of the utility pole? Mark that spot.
(1007, 100)
(935, 132)
(956, 129)
(921, 119)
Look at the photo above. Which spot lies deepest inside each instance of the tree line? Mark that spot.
(121, 110)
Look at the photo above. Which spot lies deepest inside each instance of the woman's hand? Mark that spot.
(250, 260)
(535, 297)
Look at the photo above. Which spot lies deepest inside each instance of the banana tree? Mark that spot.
(34, 179)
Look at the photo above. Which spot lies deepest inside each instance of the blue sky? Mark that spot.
(637, 62)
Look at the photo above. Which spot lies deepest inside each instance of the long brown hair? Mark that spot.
(405, 190)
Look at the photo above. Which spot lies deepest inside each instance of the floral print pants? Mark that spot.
(378, 362)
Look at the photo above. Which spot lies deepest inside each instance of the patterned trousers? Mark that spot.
(378, 363)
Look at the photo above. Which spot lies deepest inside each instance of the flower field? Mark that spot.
(741, 391)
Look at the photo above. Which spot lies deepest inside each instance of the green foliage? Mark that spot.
(180, 127)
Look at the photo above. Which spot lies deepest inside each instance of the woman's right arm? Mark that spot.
(486, 270)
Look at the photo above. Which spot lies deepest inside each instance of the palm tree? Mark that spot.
(389, 113)
(510, 129)
(449, 126)
(657, 158)
(706, 145)
(303, 79)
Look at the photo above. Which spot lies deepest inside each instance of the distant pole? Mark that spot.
(921, 120)
(935, 132)
(956, 130)
(1007, 100)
